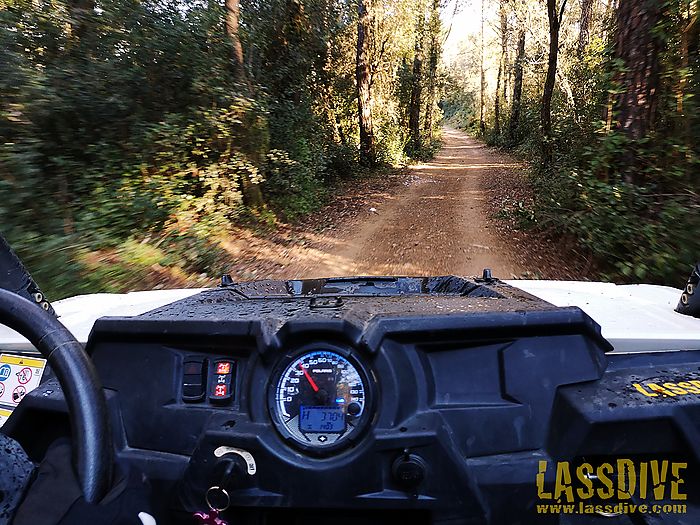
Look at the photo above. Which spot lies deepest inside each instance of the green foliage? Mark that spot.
(129, 143)
(633, 204)
(639, 234)
(522, 212)
(428, 149)
(291, 185)
(460, 106)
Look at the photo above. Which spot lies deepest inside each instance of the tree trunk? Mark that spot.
(232, 24)
(507, 72)
(78, 32)
(584, 25)
(517, 87)
(501, 65)
(637, 49)
(416, 87)
(252, 194)
(496, 103)
(689, 45)
(430, 99)
(565, 86)
(482, 124)
(80, 13)
(363, 79)
(689, 21)
(555, 16)
(434, 29)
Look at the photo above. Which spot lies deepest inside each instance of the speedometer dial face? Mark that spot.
(320, 399)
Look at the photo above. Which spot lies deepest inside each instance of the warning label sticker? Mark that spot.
(18, 375)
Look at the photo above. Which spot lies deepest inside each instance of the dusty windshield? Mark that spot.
(162, 144)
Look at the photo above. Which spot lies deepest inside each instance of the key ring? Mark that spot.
(222, 491)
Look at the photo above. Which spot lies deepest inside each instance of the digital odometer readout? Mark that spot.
(321, 419)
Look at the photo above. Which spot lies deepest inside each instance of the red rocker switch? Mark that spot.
(221, 386)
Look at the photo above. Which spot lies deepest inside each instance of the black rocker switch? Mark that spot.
(194, 379)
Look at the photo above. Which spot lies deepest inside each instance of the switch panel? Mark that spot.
(221, 385)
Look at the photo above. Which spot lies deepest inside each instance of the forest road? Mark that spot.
(436, 223)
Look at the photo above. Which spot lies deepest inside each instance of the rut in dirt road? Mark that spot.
(436, 224)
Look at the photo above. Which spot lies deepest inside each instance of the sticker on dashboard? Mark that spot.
(19, 375)
(659, 390)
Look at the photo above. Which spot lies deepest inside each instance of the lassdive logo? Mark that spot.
(621, 486)
(668, 389)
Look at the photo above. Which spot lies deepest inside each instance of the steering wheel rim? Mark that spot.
(87, 407)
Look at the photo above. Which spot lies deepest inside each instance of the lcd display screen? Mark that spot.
(321, 419)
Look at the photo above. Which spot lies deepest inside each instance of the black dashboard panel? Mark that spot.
(468, 385)
(448, 384)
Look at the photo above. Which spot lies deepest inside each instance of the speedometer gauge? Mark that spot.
(320, 399)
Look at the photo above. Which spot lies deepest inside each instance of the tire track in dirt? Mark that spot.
(435, 218)
(435, 224)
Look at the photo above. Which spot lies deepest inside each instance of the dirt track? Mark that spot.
(436, 224)
(431, 219)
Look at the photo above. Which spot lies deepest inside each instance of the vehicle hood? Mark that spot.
(633, 318)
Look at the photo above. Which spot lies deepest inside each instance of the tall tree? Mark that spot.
(416, 83)
(78, 32)
(517, 87)
(233, 13)
(252, 193)
(80, 13)
(434, 32)
(689, 45)
(554, 15)
(363, 78)
(482, 75)
(584, 26)
(637, 49)
(501, 66)
(508, 69)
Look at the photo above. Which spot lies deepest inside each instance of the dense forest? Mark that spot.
(133, 133)
(603, 96)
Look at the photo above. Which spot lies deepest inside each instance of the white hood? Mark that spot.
(79, 313)
(634, 318)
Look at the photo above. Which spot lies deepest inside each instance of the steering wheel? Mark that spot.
(87, 407)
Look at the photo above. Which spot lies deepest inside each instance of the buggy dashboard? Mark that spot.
(426, 400)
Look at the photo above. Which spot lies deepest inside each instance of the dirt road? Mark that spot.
(436, 224)
(432, 219)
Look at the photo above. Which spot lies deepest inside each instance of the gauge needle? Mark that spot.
(310, 379)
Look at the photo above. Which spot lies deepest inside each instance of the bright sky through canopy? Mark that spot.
(460, 22)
